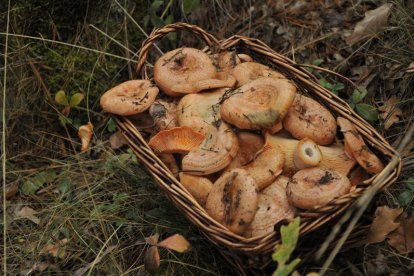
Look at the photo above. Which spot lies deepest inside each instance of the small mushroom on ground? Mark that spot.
(246, 72)
(273, 207)
(199, 187)
(249, 145)
(307, 154)
(176, 140)
(357, 149)
(307, 118)
(214, 154)
(259, 104)
(313, 187)
(187, 70)
(129, 98)
(164, 114)
(233, 200)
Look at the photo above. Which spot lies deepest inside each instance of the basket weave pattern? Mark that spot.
(251, 254)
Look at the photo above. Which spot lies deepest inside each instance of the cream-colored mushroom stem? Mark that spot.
(333, 157)
(129, 98)
(214, 154)
(199, 187)
(307, 154)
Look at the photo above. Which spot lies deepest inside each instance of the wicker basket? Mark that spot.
(251, 255)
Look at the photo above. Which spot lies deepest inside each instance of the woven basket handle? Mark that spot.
(157, 34)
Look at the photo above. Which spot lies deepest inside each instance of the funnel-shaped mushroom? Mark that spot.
(233, 200)
(176, 140)
(214, 154)
(259, 104)
(199, 187)
(267, 166)
(356, 148)
(333, 157)
(187, 70)
(273, 207)
(307, 154)
(164, 114)
(307, 118)
(129, 98)
(249, 145)
(246, 72)
(317, 186)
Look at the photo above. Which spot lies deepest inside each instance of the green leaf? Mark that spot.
(34, 183)
(60, 98)
(155, 5)
(289, 234)
(169, 19)
(120, 197)
(76, 99)
(64, 120)
(338, 86)
(405, 198)
(29, 187)
(146, 20)
(317, 62)
(286, 270)
(410, 183)
(190, 5)
(64, 185)
(111, 125)
(325, 83)
(157, 22)
(359, 94)
(368, 112)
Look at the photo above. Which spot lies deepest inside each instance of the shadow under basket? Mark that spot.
(252, 255)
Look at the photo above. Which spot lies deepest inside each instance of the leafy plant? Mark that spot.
(67, 103)
(31, 185)
(159, 21)
(368, 112)
(289, 235)
(407, 196)
(335, 88)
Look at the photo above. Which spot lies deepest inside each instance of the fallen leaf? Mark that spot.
(117, 140)
(27, 213)
(41, 266)
(85, 134)
(152, 240)
(390, 113)
(11, 190)
(403, 238)
(373, 22)
(410, 68)
(56, 250)
(383, 224)
(152, 260)
(176, 242)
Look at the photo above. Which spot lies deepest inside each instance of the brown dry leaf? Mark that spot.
(410, 68)
(27, 213)
(152, 260)
(85, 134)
(390, 112)
(11, 190)
(373, 22)
(383, 224)
(56, 250)
(117, 140)
(152, 240)
(403, 238)
(176, 242)
(41, 266)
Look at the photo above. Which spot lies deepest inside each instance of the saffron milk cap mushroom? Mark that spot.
(249, 145)
(246, 72)
(307, 154)
(199, 187)
(164, 114)
(259, 104)
(226, 61)
(244, 58)
(313, 187)
(307, 118)
(233, 200)
(357, 149)
(176, 140)
(129, 98)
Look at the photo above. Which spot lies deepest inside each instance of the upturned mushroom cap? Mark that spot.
(233, 200)
(199, 187)
(307, 154)
(259, 104)
(267, 166)
(214, 154)
(186, 70)
(316, 186)
(129, 98)
(176, 140)
(356, 147)
(249, 145)
(273, 207)
(164, 114)
(333, 157)
(246, 72)
(307, 118)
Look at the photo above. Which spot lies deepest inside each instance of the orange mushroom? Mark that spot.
(164, 114)
(357, 149)
(176, 140)
(169, 160)
(199, 187)
(249, 145)
(307, 154)
(307, 118)
(129, 98)
(246, 72)
(226, 61)
(244, 58)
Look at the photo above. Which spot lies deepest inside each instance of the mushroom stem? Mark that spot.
(307, 154)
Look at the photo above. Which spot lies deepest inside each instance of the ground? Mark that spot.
(88, 202)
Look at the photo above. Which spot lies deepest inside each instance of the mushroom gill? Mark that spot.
(246, 72)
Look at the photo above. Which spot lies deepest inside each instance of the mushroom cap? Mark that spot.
(356, 147)
(244, 58)
(317, 186)
(199, 187)
(273, 206)
(259, 104)
(267, 166)
(129, 98)
(249, 145)
(214, 154)
(307, 118)
(176, 140)
(246, 72)
(233, 200)
(185, 70)
(307, 154)
(169, 160)
(164, 114)
(276, 128)
(226, 61)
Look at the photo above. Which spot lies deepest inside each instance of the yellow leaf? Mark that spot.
(85, 134)
(56, 250)
(383, 224)
(152, 260)
(176, 242)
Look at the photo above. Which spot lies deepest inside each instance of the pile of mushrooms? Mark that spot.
(242, 140)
